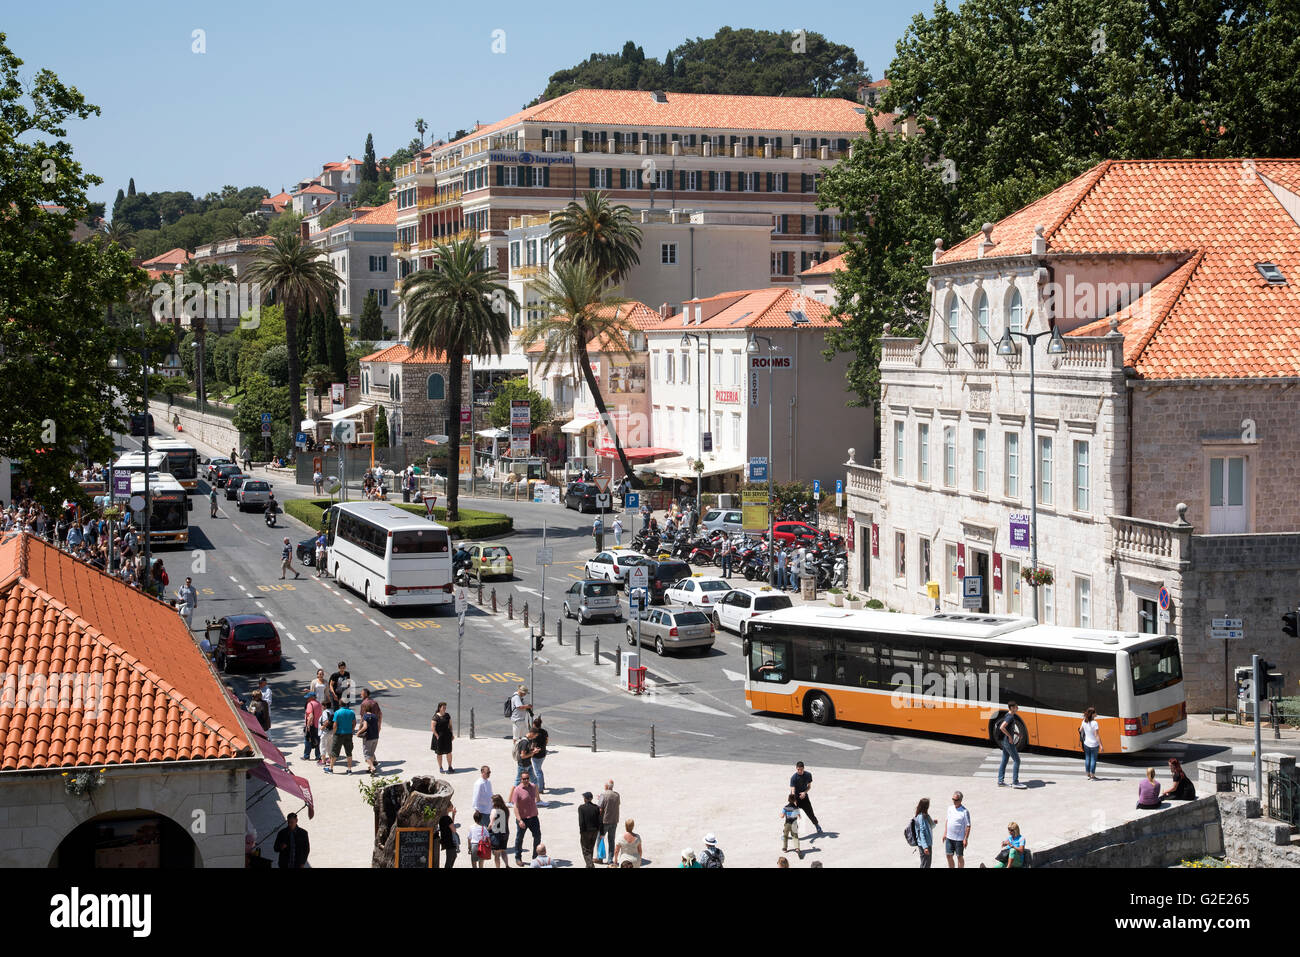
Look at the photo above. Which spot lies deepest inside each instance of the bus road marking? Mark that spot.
(389, 633)
(404, 644)
(372, 621)
(316, 665)
(436, 668)
(732, 675)
(531, 591)
(302, 649)
(348, 600)
(233, 579)
(770, 728)
(834, 744)
(697, 733)
(260, 604)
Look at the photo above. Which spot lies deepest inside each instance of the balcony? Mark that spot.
(865, 482)
(529, 272)
(522, 222)
(1159, 544)
(980, 353)
(897, 351)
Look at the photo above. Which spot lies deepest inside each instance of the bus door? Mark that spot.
(769, 667)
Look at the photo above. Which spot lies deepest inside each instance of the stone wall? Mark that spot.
(1252, 841)
(1162, 839)
(37, 813)
(212, 430)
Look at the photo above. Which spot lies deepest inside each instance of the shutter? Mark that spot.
(609, 178)
(769, 182)
(622, 179)
(546, 176)
(779, 140)
(591, 178)
(726, 179)
(501, 176)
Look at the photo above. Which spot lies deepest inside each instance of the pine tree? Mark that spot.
(337, 349)
(117, 203)
(320, 350)
(371, 324)
(369, 171)
(381, 428)
(130, 187)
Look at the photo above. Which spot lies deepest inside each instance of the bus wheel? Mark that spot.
(1019, 735)
(818, 707)
(369, 601)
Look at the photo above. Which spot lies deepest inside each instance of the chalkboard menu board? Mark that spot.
(414, 847)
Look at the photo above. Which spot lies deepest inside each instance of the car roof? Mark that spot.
(759, 592)
(247, 619)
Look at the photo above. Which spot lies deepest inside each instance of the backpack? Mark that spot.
(327, 720)
(510, 707)
(484, 847)
(909, 833)
(712, 858)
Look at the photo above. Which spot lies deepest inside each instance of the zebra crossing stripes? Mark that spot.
(1032, 766)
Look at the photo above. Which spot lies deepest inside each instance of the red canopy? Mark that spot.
(637, 453)
(286, 782)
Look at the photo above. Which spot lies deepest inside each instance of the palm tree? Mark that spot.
(598, 233)
(117, 232)
(576, 312)
(301, 280)
(458, 307)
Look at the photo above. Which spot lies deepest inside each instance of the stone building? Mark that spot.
(412, 387)
(120, 746)
(1163, 439)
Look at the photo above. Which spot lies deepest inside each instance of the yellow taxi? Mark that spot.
(490, 560)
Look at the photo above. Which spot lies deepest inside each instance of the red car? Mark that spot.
(787, 532)
(246, 640)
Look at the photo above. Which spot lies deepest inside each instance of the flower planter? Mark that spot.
(852, 605)
(835, 601)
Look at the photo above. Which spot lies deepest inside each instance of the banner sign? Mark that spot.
(521, 412)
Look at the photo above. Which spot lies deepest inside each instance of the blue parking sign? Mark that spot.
(632, 500)
(817, 488)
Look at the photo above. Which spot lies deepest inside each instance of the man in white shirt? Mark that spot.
(483, 792)
(957, 833)
(521, 713)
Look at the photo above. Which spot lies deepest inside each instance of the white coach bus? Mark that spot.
(389, 556)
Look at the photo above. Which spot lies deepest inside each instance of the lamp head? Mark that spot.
(1005, 346)
(1056, 345)
(686, 340)
(752, 347)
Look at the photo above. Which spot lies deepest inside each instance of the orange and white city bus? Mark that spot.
(953, 673)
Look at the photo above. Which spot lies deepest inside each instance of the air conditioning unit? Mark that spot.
(726, 500)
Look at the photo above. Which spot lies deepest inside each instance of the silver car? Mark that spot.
(672, 627)
(728, 520)
(254, 492)
(592, 598)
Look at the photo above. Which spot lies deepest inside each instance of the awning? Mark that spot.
(510, 362)
(351, 412)
(308, 425)
(286, 782)
(574, 426)
(681, 468)
(638, 453)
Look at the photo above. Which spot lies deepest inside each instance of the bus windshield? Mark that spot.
(767, 660)
(419, 542)
(167, 514)
(1155, 667)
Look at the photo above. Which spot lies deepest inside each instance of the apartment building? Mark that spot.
(817, 281)
(713, 153)
(238, 253)
(360, 249)
(703, 379)
(1161, 453)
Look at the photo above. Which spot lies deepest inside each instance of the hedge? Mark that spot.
(472, 524)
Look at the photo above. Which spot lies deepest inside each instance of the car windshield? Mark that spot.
(714, 586)
(600, 590)
(254, 631)
(772, 602)
(690, 618)
(256, 487)
(498, 551)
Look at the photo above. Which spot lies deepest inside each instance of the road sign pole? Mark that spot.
(543, 583)
(1259, 767)
(460, 647)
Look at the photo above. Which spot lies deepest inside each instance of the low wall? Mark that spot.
(1161, 839)
(212, 430)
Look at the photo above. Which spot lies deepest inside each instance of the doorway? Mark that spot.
(981, 567)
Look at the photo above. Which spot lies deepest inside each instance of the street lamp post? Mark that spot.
(752, 349)
(199, 358)
(699, 427)
(1055, 347)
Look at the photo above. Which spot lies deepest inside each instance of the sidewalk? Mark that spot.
(1201, 728)
(676, 801)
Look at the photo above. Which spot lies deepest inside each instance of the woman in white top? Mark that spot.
(320, 687)
(477, 832)
(1090, 738)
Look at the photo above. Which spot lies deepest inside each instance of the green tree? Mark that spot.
(598, 233)
(458, 307)
(337, 347)
(225, 359)
(518, 390)
(57, 391)
(381, 429)
(274, 364)
(369, 170)
(576, 310)
(371, 324)
(374, 194)
(319, 377)
(302, 279)
(259, 396)
(130, 188)
(420, 127)
(285, 225)
(319, 354)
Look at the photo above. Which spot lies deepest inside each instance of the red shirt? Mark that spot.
(525, 800)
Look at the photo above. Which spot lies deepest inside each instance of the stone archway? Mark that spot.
(128, 839)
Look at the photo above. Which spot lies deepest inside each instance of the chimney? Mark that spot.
(663, 311)
(303, 230)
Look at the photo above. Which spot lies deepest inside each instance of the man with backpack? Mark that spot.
(519, 712)
(712, 855)
(790, 826)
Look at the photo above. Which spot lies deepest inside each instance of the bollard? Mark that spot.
(595, 654)
(494, 601)
(525, 614)
(480, 592)
(616, 661)
(510, 607)
(652, 740)
(559, 632)
(593, 737)
(577, 643)
(471, 724)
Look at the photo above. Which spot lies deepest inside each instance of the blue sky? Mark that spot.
(285, 86)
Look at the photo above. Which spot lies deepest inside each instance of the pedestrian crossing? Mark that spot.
(1034, 766)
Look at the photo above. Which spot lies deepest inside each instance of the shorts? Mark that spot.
(368, 746)
(955, 848)
(497, 840)
(341, 741)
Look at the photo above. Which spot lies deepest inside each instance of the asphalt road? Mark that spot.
(408, 658)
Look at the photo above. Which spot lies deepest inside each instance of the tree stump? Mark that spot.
(421, 802)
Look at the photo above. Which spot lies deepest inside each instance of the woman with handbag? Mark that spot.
(1013, 848)
(1090, 741)
(499, 830)
(442, 736)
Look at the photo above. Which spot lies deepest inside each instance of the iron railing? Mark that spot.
(1283, 799)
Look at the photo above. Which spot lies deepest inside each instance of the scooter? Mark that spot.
(268, 515)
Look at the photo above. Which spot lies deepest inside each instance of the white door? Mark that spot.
(1228, 495)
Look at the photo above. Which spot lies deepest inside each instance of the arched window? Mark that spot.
(982, 319)
(953, 314)
(437, 387)
(1016, 313)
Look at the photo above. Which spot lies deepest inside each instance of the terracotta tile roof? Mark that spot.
(316, 188)
(637, 313)
(826, 268)
(160, 701)
(1214, 316)
(753, 308)
(385, 215)
(171, 257)
(401, 354)
(684, 111)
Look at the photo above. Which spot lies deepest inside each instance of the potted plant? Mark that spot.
(836, 597)
(1036, 576)
(852, 602)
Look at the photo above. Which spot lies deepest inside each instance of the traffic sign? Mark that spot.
(1164, 598)
(137, 503)
(839, 493)
(266, 423)
(461, 600)
(638, 577)
(602, 482)
(546, 556)
(817, 490)
(972, 591)
(632, 500)
(604, 501)
(1227, 628)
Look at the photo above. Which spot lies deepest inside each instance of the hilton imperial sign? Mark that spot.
(531, 159)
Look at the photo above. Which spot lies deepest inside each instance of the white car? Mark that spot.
(614, 564)
(702, 592)
(734, 608)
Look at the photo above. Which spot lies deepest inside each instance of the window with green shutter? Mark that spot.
(769, 179)
(591, 175)
(546, 176)
(622, 179)
(501, 175)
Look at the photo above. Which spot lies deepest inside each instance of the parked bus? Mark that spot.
(953, 673)
(169, 522)
(182, 460)
(389, 556)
